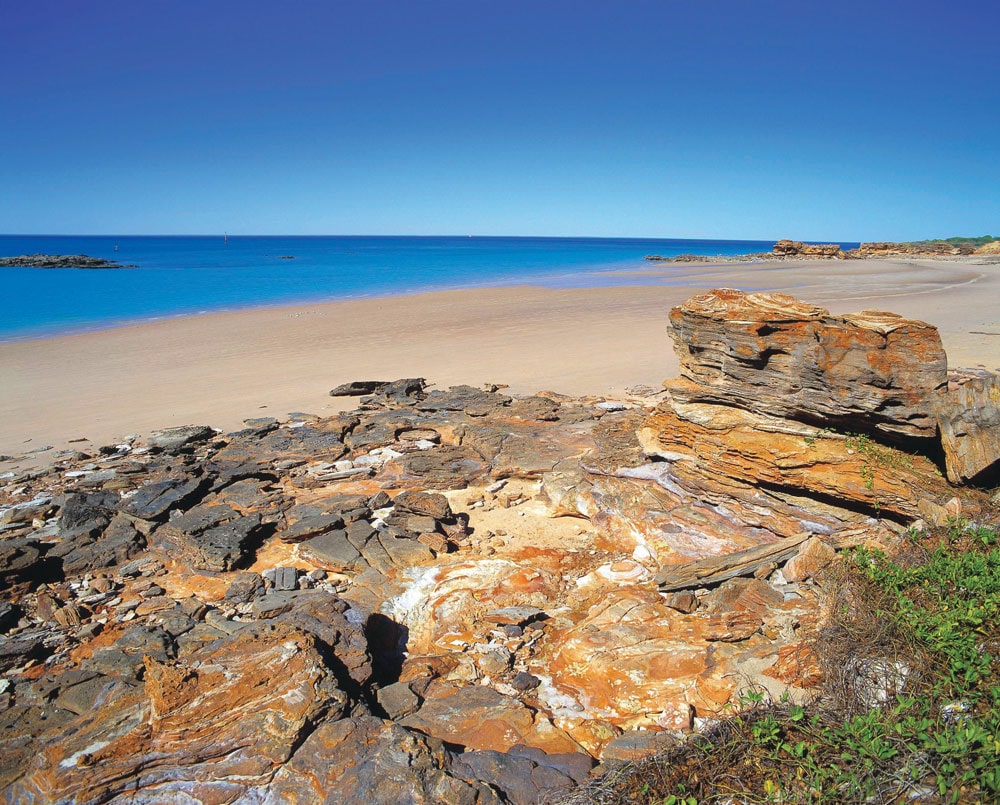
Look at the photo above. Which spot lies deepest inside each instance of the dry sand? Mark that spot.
(220, 369)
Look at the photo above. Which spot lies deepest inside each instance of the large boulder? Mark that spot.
(772, 354)
(969, 418)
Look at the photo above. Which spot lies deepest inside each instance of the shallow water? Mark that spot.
(180, 275)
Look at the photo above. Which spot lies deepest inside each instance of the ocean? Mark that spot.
(181, 276)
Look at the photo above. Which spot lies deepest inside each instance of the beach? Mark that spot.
(222, 368)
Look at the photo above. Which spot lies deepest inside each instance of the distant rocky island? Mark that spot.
(59, 261)
(787, 248)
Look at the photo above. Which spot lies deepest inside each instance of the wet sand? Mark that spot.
(222, 368)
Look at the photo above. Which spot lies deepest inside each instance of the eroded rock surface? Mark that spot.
(772, 354)
(454, 595)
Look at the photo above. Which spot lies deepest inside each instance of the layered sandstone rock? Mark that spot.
(219, 722)
(703, 442)
(796, 248)
(872, 372)
(969, 419)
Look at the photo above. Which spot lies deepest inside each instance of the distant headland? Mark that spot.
(787, 248)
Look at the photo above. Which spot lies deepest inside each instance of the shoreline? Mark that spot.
(221, 368)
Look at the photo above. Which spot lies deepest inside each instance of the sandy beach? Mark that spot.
(222, 368)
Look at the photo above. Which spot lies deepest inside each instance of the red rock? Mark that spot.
(365, 759)
(731, 627)
(797, 665)
(684, 601)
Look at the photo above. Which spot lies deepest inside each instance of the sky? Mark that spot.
(846, 120)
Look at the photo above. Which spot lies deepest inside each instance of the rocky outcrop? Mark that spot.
(458, 595)
(918, 249)
(221, 721)
(872, 372)
(58, 261)
(796, 248)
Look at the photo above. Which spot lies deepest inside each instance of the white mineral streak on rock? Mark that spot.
(625, 571)
(72, 761)
(658, 473)
(559, 703)
(410, 605)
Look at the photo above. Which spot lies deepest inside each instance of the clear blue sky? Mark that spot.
(837, 120)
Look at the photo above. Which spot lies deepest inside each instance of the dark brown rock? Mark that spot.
(154, 500)
(369, 760)
(431, 504)
(206, 537)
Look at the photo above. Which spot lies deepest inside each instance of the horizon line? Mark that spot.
(383, 235)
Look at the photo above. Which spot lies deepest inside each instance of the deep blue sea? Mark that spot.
(180, 275)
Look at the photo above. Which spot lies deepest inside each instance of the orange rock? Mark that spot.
(479, 717)
(704, 442)
(731, 627)
(969, 419)
(773, 354)
(813, 556)
(795, 248)
(797, 665)
(222, 722)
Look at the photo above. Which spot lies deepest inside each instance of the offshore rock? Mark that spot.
(58, 261)
(772, 354)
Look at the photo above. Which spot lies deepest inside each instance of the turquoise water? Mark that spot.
(190, 275)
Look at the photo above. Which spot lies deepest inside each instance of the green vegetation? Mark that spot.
(910, 706)
(958, 241)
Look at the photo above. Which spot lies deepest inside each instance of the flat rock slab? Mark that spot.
(173, 439)
(366, 759)
(216, 538)
(154, 500)
(481, 718)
